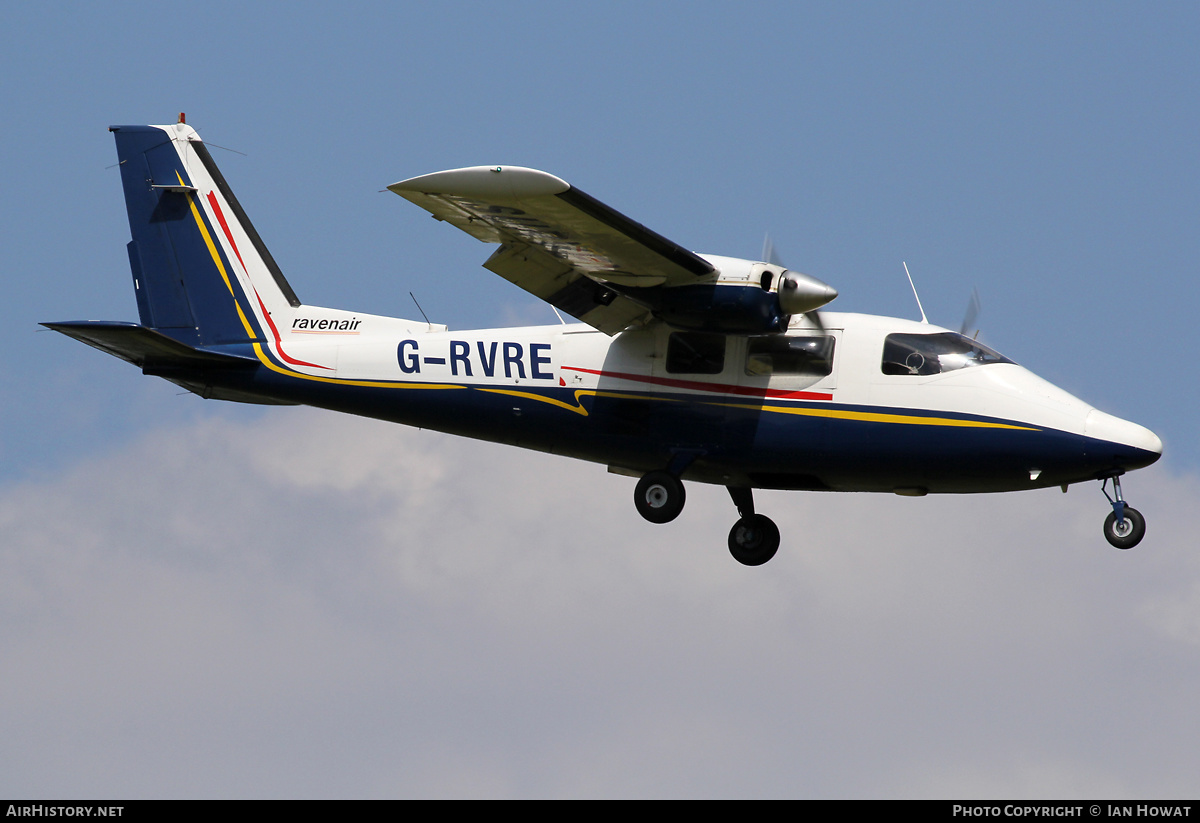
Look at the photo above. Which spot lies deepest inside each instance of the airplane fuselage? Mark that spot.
(686, 366)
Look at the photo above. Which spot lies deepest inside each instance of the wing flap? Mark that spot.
(563, 287)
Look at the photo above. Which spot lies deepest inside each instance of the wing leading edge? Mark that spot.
(557, 242)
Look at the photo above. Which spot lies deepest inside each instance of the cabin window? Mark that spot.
(925, 354)
(780, 354)
(695, 353)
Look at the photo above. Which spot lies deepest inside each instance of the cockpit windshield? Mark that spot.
(926, 354)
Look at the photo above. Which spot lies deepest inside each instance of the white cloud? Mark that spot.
(318, 605)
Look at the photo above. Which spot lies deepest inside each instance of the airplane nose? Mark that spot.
(1143, 446)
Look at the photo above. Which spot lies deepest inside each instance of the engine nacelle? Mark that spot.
(749, 298)
(728, 309)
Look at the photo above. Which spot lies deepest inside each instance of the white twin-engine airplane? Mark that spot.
(686, 367)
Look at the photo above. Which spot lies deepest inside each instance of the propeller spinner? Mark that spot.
(799, 293)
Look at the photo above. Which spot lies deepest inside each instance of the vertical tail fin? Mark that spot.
(201, 272)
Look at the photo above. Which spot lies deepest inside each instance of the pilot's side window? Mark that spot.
(785, 354)
(695, 353)
(927, 354)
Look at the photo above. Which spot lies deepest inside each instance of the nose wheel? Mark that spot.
(1124, 527)
(754, 540)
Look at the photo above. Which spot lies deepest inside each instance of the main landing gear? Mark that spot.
(659, 497)
(1124, 527)
(754, 538)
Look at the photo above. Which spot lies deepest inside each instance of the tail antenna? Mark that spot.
(924, 319)
(421, 310)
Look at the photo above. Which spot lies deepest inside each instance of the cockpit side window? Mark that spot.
(695, 353)
(926, 354)
(785, 354)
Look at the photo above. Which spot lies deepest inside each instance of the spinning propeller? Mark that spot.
(972, 313)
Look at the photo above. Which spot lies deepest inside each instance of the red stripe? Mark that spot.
(719, 388)
(212, 200)
(278, 343)
(216, 207)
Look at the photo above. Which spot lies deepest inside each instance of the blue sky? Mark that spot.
(1044, 153)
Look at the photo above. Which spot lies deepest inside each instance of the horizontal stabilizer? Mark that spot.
(146, 348)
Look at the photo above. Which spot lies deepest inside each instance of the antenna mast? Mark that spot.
(914, 288)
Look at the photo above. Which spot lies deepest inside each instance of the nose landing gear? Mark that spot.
(1124, 527)
(754, 539)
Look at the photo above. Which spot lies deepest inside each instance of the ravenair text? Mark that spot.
(490, 359)
(309, 324)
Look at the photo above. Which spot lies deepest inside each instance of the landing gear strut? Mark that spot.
(1124, 527)
(754, 539)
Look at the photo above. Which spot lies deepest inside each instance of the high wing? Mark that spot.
(557, 242)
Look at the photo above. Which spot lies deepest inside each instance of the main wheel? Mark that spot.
(659, 497)
(1128, 534)
(753, 540)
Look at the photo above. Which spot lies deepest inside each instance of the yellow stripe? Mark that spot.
(212, 250)
(579, 393)
(877, 417)
(373, 384)
(577, 408)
